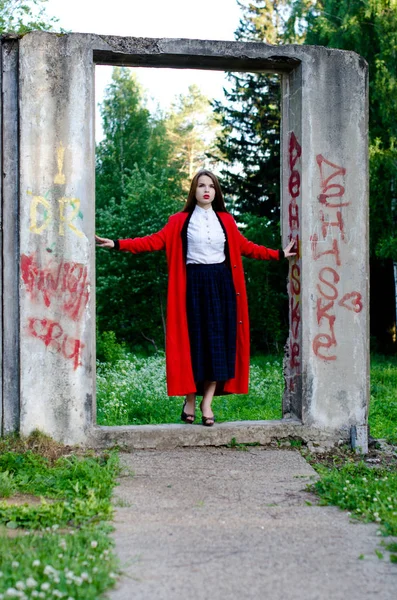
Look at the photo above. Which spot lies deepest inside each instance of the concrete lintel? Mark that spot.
(243, 432)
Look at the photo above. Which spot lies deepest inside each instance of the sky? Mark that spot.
(207, 19)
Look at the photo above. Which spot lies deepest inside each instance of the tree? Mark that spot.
(18, 16)
(250, 118)
(136, 191)
(131, 289)
(191, 128)
(131, 138)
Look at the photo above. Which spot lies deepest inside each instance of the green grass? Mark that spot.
(56, 544)
(132, 391)
(383, 402)
(369, 494)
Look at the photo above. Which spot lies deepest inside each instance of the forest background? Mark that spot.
(145, 161)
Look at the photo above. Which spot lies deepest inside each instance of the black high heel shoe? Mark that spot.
(207, 421)
(186, 417)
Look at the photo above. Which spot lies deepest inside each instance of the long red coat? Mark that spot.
(180, 380)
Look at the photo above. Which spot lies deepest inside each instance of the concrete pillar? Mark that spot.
(325, 204)
(57, 324)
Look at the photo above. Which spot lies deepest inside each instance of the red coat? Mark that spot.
(180, 380)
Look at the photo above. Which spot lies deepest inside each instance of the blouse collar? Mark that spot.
(203, 211)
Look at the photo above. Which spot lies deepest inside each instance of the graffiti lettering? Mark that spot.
(63, 283)
(329, 278)
(294, 184)
(54, 337)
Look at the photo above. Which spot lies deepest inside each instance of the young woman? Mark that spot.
(207, 333)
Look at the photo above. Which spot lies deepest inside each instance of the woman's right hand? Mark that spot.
(104, 242)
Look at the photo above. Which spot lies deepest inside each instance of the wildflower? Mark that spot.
(347, 481)
(375, 499)
(36, 563)
(94, 544)
(1, 573)
(60, 555)
(84, 576)
(30, 582)
(20, 585)
(45, 586)
(15, 565)
(344, 489)
(112, 575)
(57, 593)
(12, 593)
(49, 570)
(62, 544)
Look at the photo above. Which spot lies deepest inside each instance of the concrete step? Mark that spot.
(170, 436)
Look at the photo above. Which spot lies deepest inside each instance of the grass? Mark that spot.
(55, 508)
(132, 391)
(383, 401)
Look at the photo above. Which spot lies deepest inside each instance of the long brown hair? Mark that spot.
(218, 204)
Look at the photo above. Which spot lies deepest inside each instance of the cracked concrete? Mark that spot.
(217, 523)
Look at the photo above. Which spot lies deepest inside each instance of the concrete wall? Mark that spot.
(48, 260)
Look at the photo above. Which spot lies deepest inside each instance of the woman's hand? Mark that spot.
(104, 242)
(287, 249)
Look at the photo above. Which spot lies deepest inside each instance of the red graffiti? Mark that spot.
(53, 336)
(295, 316)
(293, 214)
(295, 280)
(66, 283)
(328, 277)
(334, 250)
(325, 182)
(322, 278)
(326, 225)
(294, 189)
(294, 355)
(355, 302)
(323, 340)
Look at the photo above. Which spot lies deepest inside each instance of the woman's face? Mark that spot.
(205, 191)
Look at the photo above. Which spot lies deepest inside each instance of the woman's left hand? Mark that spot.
(287, 249)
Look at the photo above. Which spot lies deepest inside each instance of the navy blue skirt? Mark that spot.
(211, 314)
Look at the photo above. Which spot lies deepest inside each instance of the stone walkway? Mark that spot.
(224, 524)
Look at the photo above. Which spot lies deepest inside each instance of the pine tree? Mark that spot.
(250, 118)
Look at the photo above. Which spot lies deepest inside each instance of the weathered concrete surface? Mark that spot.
(211, 524)
(167, 437)
(57, 154)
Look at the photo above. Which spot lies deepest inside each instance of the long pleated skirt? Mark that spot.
(211, 313)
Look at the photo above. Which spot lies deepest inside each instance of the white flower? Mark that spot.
(20, 585)
(12, 593)
(45, 586)
(57, 593)
(15, 565)
(94, 544)
(30, 582)
(62, 544)
(36, 563)
(84, 576)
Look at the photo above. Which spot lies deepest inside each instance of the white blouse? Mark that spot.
(205, 238)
